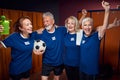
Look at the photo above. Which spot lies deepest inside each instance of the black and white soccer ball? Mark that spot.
(39, 45)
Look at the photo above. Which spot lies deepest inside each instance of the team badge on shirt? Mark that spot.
(83, 41)
(53, 38)
(72, 39)
(27, 43)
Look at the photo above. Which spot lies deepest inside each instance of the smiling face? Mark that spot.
(71, 25)
(87, 26)
(48, 22)
(26, 27)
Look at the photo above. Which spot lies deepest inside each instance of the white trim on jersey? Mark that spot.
(3, 44)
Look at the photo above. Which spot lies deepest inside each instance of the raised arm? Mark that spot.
(39, 31)
(84, 13)
(115, 23)
(102, 29)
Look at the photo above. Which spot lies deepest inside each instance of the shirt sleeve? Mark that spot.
(7, 42)
(36, 35)
(64, 30)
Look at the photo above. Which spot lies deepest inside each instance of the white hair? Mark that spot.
(87, 19)
(48, 14)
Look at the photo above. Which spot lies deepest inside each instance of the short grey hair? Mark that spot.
(87, 19)
(48, 14)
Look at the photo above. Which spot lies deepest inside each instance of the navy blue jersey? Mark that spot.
(54, 46)
(21, 52)
(71, 55)
(89, 54)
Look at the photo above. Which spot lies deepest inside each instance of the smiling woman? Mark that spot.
(90, 44)
(21, 44)
(109, 47)
(5, 53)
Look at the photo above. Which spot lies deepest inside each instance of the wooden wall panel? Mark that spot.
(5, 55)
(98, 18)
(13, 16)
(111, 48)
(112, 43)
(37, 20)
(1, 65)
(37, 59)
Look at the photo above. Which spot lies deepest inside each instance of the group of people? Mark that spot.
(67, 47)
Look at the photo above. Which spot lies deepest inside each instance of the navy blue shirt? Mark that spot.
(71, 56)
(54, 46)
(21, 52)
(89, 54)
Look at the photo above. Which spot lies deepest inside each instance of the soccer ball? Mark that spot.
(39, 45)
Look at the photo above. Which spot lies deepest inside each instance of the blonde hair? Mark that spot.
(77, 27)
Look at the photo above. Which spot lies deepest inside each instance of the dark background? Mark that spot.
(60, 8)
